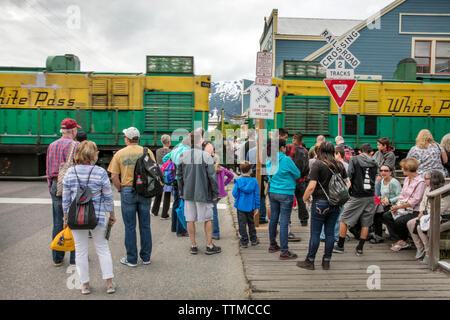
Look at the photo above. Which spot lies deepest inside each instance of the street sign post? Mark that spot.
(262, 105)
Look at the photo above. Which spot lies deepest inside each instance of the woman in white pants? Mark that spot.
(86, 172)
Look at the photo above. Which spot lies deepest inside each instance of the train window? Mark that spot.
(370, 125)
(350, 125)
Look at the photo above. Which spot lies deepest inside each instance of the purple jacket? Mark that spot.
(220, 181)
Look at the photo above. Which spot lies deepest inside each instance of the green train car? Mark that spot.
(34, 101)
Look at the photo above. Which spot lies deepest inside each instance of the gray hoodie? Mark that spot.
(196, 175)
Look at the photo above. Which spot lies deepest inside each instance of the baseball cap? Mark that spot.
(131, 133)
(69, 124)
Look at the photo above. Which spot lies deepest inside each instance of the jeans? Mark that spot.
(246, 219)
(176, 224)
(281, 208)
(58, 256)
(262, 209)
(299, 192)
(336, 227)
(157, 204)
(216, 229)
(132, 203)
(322, 214)
(102, 248)
(398, 229)
(378, 188)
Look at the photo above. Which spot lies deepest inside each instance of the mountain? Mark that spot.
(226, 95)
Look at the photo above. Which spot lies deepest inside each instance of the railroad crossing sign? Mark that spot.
(340, 49)
(262, 102)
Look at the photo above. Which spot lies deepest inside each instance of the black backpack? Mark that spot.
(147, 177)
(301, 160)
(338, 193)
(82, 212)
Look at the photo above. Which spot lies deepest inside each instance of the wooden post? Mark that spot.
(259, 148)
(435, 231)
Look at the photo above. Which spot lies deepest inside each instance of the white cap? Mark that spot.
(131, 133)
(338, 139)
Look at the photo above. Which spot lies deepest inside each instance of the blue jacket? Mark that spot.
(246, 194)
(284, 175)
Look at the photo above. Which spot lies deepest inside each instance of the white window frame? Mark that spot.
(433, 51)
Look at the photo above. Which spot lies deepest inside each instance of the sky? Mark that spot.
(115, 36)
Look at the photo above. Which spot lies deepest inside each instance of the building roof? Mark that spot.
(314, 27)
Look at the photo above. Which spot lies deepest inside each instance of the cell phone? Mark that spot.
(108, 232)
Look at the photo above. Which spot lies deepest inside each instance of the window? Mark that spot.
(370, 125)
(350, 125)
(432, 55)
(442, 56)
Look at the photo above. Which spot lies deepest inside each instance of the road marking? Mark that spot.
(220, 206)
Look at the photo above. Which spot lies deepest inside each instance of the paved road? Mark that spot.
(26, 270)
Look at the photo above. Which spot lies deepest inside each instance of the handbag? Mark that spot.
(402, 212)
(63, 241)
(63, 167)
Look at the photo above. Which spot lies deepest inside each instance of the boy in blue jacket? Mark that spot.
(246, 194)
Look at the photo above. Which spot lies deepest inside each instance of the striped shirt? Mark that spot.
(98, 183)
(57, 152)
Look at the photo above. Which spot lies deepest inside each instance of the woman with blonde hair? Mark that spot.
(85, 172)
(445, 143)
(430, 154)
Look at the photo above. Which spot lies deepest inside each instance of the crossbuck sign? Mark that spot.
(340, 49)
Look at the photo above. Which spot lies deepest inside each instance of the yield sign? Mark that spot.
(340, 89)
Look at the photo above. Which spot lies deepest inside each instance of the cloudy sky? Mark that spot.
(222, 35)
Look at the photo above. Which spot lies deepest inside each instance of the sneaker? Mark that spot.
(358, 252)
(124, 261)
(325, 264)
(293, 238)
(376, 239)
(420, 253)
(57, 264)
(426, 259)
(244, 245)
(179, 235)
(85, 290)
(307, 264)
(165, 218)
(146, 262)
(216, 237)
(255, 243)
(111, 289)
(288, 256)
(155, 215)
(338, 249)
(213, 250)
(274, 248)
(194, 250)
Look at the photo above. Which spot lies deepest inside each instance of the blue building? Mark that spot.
(418, 29)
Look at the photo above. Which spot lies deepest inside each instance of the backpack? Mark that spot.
(147, 177)
(168, 170)
(349, 152)
(301, 160)
(338, 193)
(81, 211)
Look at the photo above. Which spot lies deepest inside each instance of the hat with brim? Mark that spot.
(131, 133)
(69, 124)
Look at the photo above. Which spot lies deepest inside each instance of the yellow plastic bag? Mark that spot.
(63, 241)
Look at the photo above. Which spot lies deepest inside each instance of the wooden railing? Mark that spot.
(435, 225)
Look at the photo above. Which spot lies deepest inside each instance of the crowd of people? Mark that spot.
(294, 173)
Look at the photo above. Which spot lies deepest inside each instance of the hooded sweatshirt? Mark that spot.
(282, 175)
(362, 171)
(246, 194)
(385, 158)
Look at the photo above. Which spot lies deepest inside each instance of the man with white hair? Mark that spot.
(349, 152)
(57, 153)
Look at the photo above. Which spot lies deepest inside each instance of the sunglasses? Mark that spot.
(385, 170)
